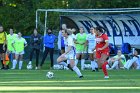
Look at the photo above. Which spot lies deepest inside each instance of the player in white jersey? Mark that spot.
(133, 60)
(91, 47)
(69, 53)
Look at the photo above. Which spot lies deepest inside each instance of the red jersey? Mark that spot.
(100, 41)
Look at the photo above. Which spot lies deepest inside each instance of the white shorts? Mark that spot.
(70, 56)
(79, 52)
(90, 50)
(20, 53)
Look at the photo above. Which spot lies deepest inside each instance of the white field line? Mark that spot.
(16, 88)
(59, 81)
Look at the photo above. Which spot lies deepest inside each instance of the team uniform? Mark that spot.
(10, 39)
(69, 42)
(19, 50)
(91, 45)
(2, 40)
(100, 42)
(130, 62)
(19, 45)
(91, 42)
(80, 38)
(116, 61)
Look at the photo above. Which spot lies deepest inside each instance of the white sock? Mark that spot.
(68, 61)
(82, 64)
(92, 65)
(115, 64)
(14, 64)
(20, 64)
(95, 63)
(76, 69)
(76, 62)
(30, 62)
(63, 63)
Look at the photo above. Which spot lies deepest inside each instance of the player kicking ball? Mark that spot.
(69, 53)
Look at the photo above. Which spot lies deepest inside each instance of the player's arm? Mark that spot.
(13, 45)
(25, 43)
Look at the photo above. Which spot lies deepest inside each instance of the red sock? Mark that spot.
(104, 68)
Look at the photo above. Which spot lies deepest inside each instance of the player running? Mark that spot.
(69, 52)
(102, 49)
(18, 44)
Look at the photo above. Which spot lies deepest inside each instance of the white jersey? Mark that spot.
(91, 41)
(69, 42)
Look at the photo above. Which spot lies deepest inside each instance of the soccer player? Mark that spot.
(18, 44)
(81, 47)
(2, 45)
(102, 49)
(10, 37)
(91, 47)
(134, 60)
(35, 44)
(69, 52)
(117, 60)
(61, 45)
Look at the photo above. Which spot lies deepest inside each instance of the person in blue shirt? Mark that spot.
(49, 40)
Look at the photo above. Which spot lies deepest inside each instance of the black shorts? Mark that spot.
(62, 48)
(1, 48)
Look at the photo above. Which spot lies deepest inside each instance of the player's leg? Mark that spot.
(82, 60)
(103, 64)
(44, 56)
(20, 60)
(15, 61)
(78, 53)
(31, 55)
(37, 58)
(51, 56)
(61, 59)
(75, 68)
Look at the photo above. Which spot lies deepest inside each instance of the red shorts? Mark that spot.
(99, 53)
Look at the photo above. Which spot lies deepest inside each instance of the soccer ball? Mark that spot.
(50, 74)
(29, 66)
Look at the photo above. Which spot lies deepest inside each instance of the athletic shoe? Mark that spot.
(106, 77)
(81, 76)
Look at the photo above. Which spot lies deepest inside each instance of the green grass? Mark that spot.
(35, 81)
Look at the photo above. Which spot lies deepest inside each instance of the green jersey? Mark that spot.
(10, 39)
(19, 44)
(80, 39)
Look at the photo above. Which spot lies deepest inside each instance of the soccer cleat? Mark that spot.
(106, 77)
(81, 76)
(70, 67)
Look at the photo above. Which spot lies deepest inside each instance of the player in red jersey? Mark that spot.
(102, 49)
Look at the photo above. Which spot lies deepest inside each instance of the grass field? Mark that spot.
(65, 81)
